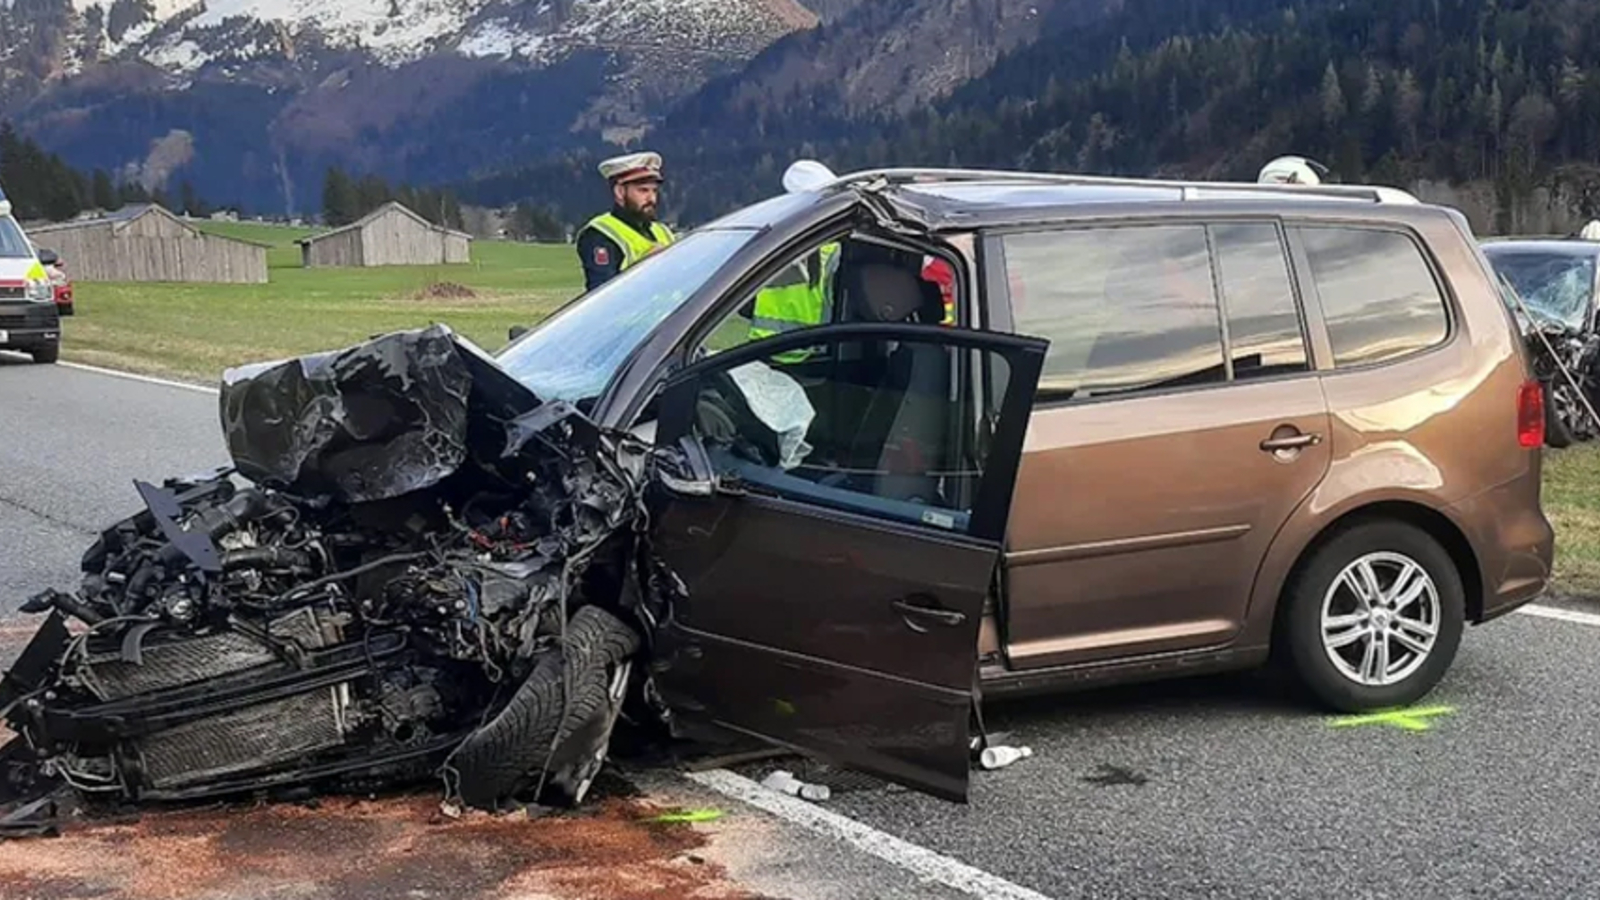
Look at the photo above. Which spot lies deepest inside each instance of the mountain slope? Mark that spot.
(1490, 105)
(883, 56)
(270, 92)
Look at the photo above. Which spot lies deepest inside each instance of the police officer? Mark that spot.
(613, 241)
(800, 296)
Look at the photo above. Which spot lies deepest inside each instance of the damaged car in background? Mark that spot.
(677, 504)
(1553, 290)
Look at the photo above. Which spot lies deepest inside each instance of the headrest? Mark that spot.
(882, 293)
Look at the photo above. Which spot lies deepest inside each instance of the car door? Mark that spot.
(830, 576)
(1179, 425)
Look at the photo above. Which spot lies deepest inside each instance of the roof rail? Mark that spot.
(1192, 190)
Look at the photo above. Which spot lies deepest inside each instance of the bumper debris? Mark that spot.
(415, 569)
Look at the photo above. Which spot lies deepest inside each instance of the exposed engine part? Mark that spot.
(417, 542)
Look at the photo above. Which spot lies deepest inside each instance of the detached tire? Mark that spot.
(1374, 618)
(508, 755)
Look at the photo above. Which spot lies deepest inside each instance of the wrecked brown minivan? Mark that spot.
(1148, 429)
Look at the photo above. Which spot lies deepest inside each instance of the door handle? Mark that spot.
(947, 617)
(1292, 442)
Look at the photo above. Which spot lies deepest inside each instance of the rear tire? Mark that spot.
(47, 354)
(508, 755)
(1374, 617)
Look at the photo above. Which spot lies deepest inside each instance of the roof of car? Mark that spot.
(1557, 246)
(949, 198)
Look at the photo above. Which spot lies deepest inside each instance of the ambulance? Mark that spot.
(29, 319)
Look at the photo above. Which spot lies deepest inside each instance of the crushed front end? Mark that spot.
(414, 570)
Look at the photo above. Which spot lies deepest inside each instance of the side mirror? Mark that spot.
(518, 331)
(48, 257)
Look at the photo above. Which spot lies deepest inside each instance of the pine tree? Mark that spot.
(371, 192)
(338, 198)
(1334, 107)
(101, 193)
(452, 211)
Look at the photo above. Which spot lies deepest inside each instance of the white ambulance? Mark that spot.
(29, 320)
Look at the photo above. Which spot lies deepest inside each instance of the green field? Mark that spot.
(1572, 501)
(194, 331)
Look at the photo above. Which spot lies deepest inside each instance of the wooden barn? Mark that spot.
(390, 235)
(148, 243)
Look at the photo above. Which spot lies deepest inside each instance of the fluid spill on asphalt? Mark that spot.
(350, 849)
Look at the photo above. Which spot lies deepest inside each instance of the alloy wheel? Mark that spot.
(1380, 619)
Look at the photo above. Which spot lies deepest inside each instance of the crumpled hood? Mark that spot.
(369, 422)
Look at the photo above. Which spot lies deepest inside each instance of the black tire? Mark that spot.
(508, 755)
(1301, 623)
(1556, 432)
(47, 354)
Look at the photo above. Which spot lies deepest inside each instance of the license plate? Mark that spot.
(5, 336)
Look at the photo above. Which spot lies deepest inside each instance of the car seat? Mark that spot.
(905, 430)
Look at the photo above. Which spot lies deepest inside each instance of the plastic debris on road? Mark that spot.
(784, 782)
(997, 757)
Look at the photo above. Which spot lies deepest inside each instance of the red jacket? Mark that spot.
(939, 272)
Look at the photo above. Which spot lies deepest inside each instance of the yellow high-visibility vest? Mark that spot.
(635, 246)
(801, 296)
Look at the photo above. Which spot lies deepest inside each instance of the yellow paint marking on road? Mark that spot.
(1407, 719)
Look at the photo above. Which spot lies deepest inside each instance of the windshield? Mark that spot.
(12, 244)
(572, 355)
(1557, 285)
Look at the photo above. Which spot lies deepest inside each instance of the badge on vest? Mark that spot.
(602, 256)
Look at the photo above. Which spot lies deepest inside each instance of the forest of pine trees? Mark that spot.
(41, 186)
(1500, 94)
(346, 199)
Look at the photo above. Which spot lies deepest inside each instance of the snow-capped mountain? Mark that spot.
(185, 36)
(268, 93)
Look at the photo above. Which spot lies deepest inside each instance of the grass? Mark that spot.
(194, 331)
(1572, 501)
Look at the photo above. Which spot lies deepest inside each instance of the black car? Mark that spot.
(1558, 285)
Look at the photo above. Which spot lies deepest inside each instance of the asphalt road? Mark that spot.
(71, 445)
(1225, 787)
(72, 442)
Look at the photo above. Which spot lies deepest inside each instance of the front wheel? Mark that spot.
(1557, 411)
(47, 354)
(1374, 618)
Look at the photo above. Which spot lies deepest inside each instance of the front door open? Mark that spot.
(834, 538)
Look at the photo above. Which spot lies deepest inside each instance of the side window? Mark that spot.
(1379, 297)
(841, 280)
(800, 295)
(1126, 309)
(1264, 333)
(885, 429)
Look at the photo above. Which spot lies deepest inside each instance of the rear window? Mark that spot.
(1126, 310)
(1379, 298)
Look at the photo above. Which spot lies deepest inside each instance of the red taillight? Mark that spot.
(1530, 415)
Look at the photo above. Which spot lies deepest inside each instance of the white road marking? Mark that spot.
(148, 379)
(1564, 615)
(921, 861)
